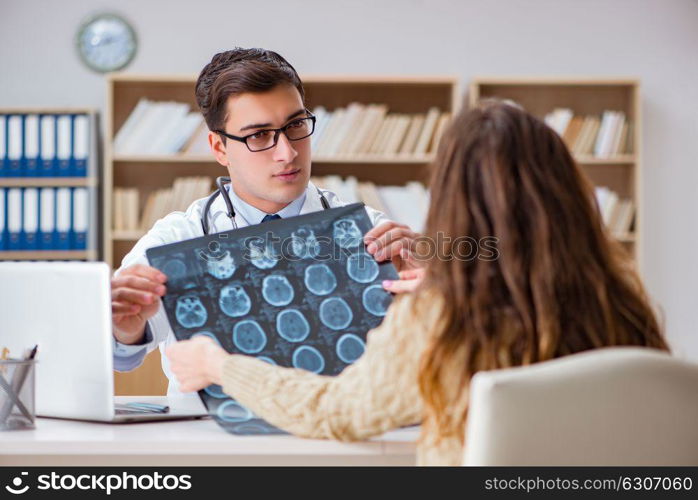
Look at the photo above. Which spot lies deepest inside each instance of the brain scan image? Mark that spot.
(362, 267)
(346, 233)
(261, 254)
(292, 325)
(234, 301)
(320, 279)
(175, 269)
(302, 292)
(308, 358)
(190, 312)
(249, 337)
(277, 290)
(376, 300)
(220, 266)
(304, 244)
(176, 272)
(335, 313)
(215, 391)
(350, 347)
(232, 411)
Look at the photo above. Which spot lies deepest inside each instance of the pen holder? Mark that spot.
(17, 394)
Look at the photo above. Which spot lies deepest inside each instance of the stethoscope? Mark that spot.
(220, 183)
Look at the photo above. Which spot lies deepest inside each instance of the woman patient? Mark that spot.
(557, 284)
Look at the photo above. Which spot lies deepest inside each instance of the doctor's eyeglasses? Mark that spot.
(295, 130)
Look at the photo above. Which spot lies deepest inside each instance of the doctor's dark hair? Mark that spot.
(238, 71)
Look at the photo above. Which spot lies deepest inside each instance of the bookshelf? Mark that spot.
(39, 178)
(585, 96)
(401, 94)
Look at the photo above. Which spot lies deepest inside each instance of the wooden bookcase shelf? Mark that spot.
(584, 96)
(49, 255)
(47, 182)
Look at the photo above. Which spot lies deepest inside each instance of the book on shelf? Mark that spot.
(427, 131)
(384, 132)
(360, 130)
(127, 215)
(397, 135)
(375, 122)
(617, 213)
(197, 144)
(558, 119)
(604, 136)
(441, 125)
(407, 204)
(157, 128)
(321, 119)
(573, 130)
(415, 127)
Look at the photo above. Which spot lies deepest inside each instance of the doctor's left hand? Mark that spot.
(197, 363)
(393, 241)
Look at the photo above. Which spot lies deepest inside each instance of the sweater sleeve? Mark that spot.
(377, 393)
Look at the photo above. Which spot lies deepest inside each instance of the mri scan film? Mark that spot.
(299, 292)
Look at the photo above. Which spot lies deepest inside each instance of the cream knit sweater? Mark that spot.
(377, 393)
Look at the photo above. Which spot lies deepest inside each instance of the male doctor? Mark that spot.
(253, 103)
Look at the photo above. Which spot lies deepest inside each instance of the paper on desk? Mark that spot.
(299, 292)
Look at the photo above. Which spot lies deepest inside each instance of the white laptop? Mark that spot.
(65, 308)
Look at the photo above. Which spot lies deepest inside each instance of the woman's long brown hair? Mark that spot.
(557, 283)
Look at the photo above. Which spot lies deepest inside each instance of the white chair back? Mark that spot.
(611, 406)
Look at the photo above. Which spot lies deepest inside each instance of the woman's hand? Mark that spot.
(197, 363)
(408, 282)
(392, 241)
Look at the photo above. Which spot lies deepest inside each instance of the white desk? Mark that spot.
(189, 442)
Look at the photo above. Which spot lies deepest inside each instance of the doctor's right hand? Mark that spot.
(135, 298)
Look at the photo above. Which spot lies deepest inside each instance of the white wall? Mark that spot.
(655, 40)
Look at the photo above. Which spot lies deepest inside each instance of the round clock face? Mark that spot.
(106, 43)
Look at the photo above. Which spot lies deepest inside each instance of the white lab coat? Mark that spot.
(179, 226)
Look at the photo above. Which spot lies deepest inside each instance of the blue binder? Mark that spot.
(15, 145)
(80, 218)
(30, 219)
(4, 162)
(81, 144)
(64, 146)
(63, 218)
(48, 165)
(47, 219)
(3, 218)
(14, 218)
(31, 145)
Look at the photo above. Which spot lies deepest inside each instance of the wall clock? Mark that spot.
(106, 42)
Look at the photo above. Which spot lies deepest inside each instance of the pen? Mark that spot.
(144, 407)
(150, 406)
(3, 357)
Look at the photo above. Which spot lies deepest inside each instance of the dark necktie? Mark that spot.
(269, 217)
